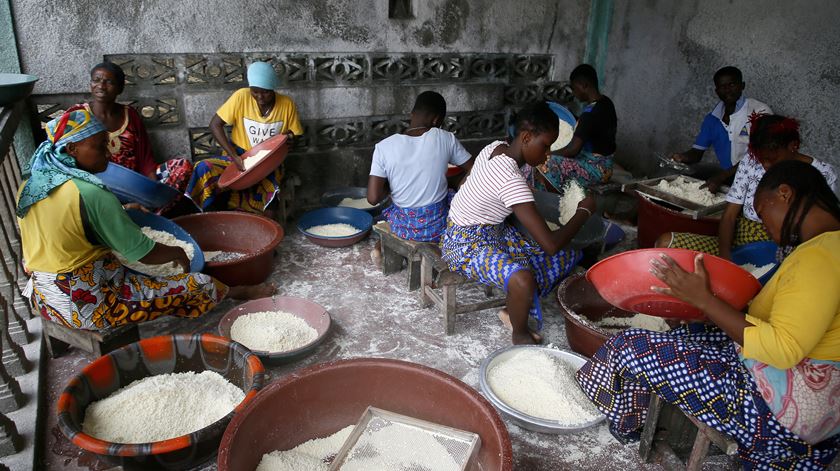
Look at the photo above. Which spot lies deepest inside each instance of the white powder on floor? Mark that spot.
(572, 195)
(161, 407)
(333, 230)
(690, 190)
(564, 136)
(272, 331)
(358, 203)
(758, 272)
(613, 324)
(314, 455)
(541, 385)
(253, 160)
(398, 446)
(164, 269)
(222, 256)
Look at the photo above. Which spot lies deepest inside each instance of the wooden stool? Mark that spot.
(286, 198)
(448, 282)
(58, 338)
(668, 430)
(396, 249)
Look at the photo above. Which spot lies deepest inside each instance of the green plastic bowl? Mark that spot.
(15, 87)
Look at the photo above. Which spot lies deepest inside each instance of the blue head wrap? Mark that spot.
(262, 75)
(51, 166)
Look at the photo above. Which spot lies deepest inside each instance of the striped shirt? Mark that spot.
(492, 188)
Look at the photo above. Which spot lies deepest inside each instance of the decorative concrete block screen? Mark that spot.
(177, 93)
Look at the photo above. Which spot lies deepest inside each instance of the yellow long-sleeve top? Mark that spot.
(797, 313)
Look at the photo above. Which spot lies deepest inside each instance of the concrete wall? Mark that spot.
(663, 54)
(60, 42)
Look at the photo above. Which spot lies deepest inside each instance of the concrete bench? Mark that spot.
(396, 249)
(58, 338)
(668, 430)
(434, 273)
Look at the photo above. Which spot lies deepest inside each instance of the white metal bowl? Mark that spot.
(522, 419)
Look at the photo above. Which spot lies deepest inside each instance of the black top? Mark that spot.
(597, 125)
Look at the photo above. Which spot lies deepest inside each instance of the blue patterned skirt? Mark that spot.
(492, 254)
(696, 368)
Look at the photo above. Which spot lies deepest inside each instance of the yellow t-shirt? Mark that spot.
(797, 314)
(249, 127)
(53, 234)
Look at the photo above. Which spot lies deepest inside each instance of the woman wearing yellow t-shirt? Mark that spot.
(256, 113)
(768, 378)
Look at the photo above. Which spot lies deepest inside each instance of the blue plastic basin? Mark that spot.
(758, 254)
(357, 218)
(132, 187)
(160, 223)
(15, 87)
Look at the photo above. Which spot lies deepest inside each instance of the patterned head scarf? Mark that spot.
(51, 166)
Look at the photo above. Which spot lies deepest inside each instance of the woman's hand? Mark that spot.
(692, 288)
(136, 206)
(237, 160)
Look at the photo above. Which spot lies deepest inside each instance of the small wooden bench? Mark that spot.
(396, 249)
(668, 430)
(58, 338)
(434, 273)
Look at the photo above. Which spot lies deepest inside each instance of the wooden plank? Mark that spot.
(481, 305)
(649, 430)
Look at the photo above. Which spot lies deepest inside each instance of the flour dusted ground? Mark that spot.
(398, 446)
(639, 321)
(691, 191)
(221, 256)
(541, 385)
(269, 331)
(253, 160)
(161, 407)
(358, 203)
(564, 137)
(314, 455)
(572, 195)
(333, 230)
(165, 269)
(758, 272)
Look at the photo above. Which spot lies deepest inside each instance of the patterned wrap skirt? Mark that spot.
(586, 168)
(746, 232)
(204, 190)
(423, 224)
(696, 368)
(105, 294)
(491, 254)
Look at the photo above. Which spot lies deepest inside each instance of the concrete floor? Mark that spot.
(375, 316)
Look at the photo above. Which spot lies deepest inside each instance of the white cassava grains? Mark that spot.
(314, 455)
(162, 407)
(164, 269)
(541, 385)
(333, 230)
(269, 331)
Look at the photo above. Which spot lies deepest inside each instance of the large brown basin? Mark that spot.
(321, 400)
(233, 231)
(581, 305)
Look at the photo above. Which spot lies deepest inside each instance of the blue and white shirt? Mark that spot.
(730, 141)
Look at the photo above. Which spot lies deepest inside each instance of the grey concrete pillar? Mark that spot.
(10, 441)
(11, 398)
(13, 357)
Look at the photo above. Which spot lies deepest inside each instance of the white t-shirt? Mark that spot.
(492, 188)
(415, 167)
(749, 174)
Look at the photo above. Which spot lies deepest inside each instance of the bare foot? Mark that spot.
(505, 318)
(528, 338)
(261, 290)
